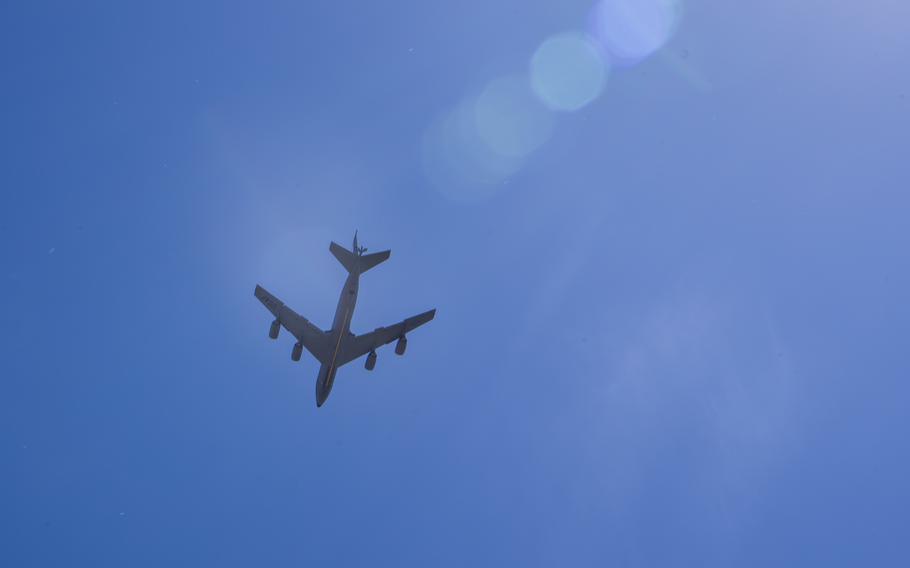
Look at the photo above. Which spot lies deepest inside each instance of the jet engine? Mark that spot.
(295, 353)
(401, 345)
(371, 361)
(273, 331)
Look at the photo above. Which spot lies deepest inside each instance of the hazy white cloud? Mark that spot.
(696, 403)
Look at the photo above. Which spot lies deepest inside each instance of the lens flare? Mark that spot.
(568, 71)
(509, 118)
(631, 30)
(456, 160)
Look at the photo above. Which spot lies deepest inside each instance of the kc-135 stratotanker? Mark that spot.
(337, 346)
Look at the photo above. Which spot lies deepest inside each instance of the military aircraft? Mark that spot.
(337, 346)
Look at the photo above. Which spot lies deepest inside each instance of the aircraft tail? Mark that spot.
(357, 261)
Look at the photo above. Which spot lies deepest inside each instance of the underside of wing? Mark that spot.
(359, 345)
(313, 338)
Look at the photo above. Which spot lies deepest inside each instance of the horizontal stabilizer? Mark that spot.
(357, 262)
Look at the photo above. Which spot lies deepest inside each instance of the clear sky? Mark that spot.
(667, 242)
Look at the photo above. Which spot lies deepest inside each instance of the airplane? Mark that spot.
(338, 346)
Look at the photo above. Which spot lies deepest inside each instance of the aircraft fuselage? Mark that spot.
(341, 327)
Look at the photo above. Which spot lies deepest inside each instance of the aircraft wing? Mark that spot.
(360, 345)
(313, 338)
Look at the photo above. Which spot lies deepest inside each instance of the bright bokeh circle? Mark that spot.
(568, 71)
(631, 30)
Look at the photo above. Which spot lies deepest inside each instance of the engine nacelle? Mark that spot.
(371, 361)
(401, 345)
(273, 331)
(295, 353)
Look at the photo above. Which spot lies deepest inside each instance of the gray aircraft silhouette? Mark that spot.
(337, 346)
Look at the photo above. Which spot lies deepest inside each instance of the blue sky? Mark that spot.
(671, 323)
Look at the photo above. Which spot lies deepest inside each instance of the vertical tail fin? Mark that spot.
(357, 249)
(357, 261)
